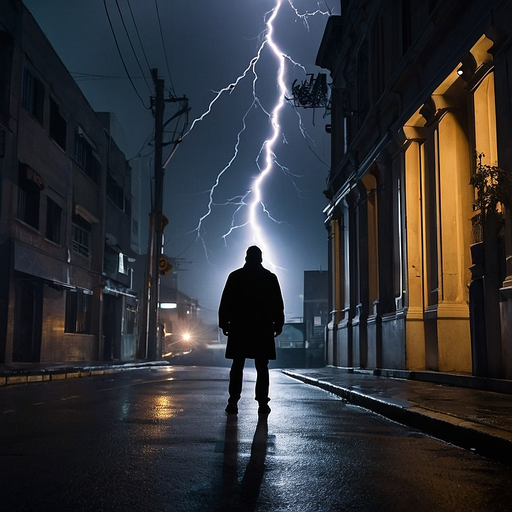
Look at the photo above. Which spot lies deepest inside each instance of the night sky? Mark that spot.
(209, 44)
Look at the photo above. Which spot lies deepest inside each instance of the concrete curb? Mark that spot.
(13, 376)
(489, 442)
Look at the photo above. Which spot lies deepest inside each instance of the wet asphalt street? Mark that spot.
(159, 440)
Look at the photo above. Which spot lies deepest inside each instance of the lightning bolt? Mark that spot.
(268, 146)
(304, 16)
(266, 159)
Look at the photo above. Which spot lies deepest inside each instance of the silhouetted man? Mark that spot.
(251, 314)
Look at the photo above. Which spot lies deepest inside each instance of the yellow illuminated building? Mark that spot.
(420, 101)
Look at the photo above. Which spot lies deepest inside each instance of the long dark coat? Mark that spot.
(251, 311)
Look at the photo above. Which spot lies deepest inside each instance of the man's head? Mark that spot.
(253, 255)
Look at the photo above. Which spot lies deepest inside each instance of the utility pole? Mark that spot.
(150, 329)
(153, 340)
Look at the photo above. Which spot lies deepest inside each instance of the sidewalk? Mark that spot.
(24, 373)
(474, 419)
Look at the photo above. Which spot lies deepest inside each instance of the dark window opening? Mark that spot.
(29, 192)
(6, 52)
(115, 192)
(33, 95)
(111, 260)
(58, 125)
(78, 312)
(53, 221)
(85, 158)
(81, 235)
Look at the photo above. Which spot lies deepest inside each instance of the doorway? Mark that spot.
(28, 320)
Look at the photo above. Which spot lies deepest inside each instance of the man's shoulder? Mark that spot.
(258, 272)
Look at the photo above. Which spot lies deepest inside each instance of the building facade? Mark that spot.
(65, 223)
(420, 102)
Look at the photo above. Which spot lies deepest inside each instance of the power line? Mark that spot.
(131, 46)
(165, 51)
(147, 142)
(78, 75)
(138, 35)
(121, 55)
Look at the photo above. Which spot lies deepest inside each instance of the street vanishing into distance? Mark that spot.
(159, 440)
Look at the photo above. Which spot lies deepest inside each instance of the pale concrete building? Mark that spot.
(65, 219)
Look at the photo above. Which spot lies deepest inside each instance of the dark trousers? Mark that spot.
(236, 376)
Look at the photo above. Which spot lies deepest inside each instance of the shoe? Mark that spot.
(264, 409)
(232, 409)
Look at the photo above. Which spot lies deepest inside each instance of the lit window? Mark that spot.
(123, 264)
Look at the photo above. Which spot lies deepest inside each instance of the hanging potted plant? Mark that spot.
(493, 186)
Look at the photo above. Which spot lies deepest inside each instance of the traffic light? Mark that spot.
(164, 267)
